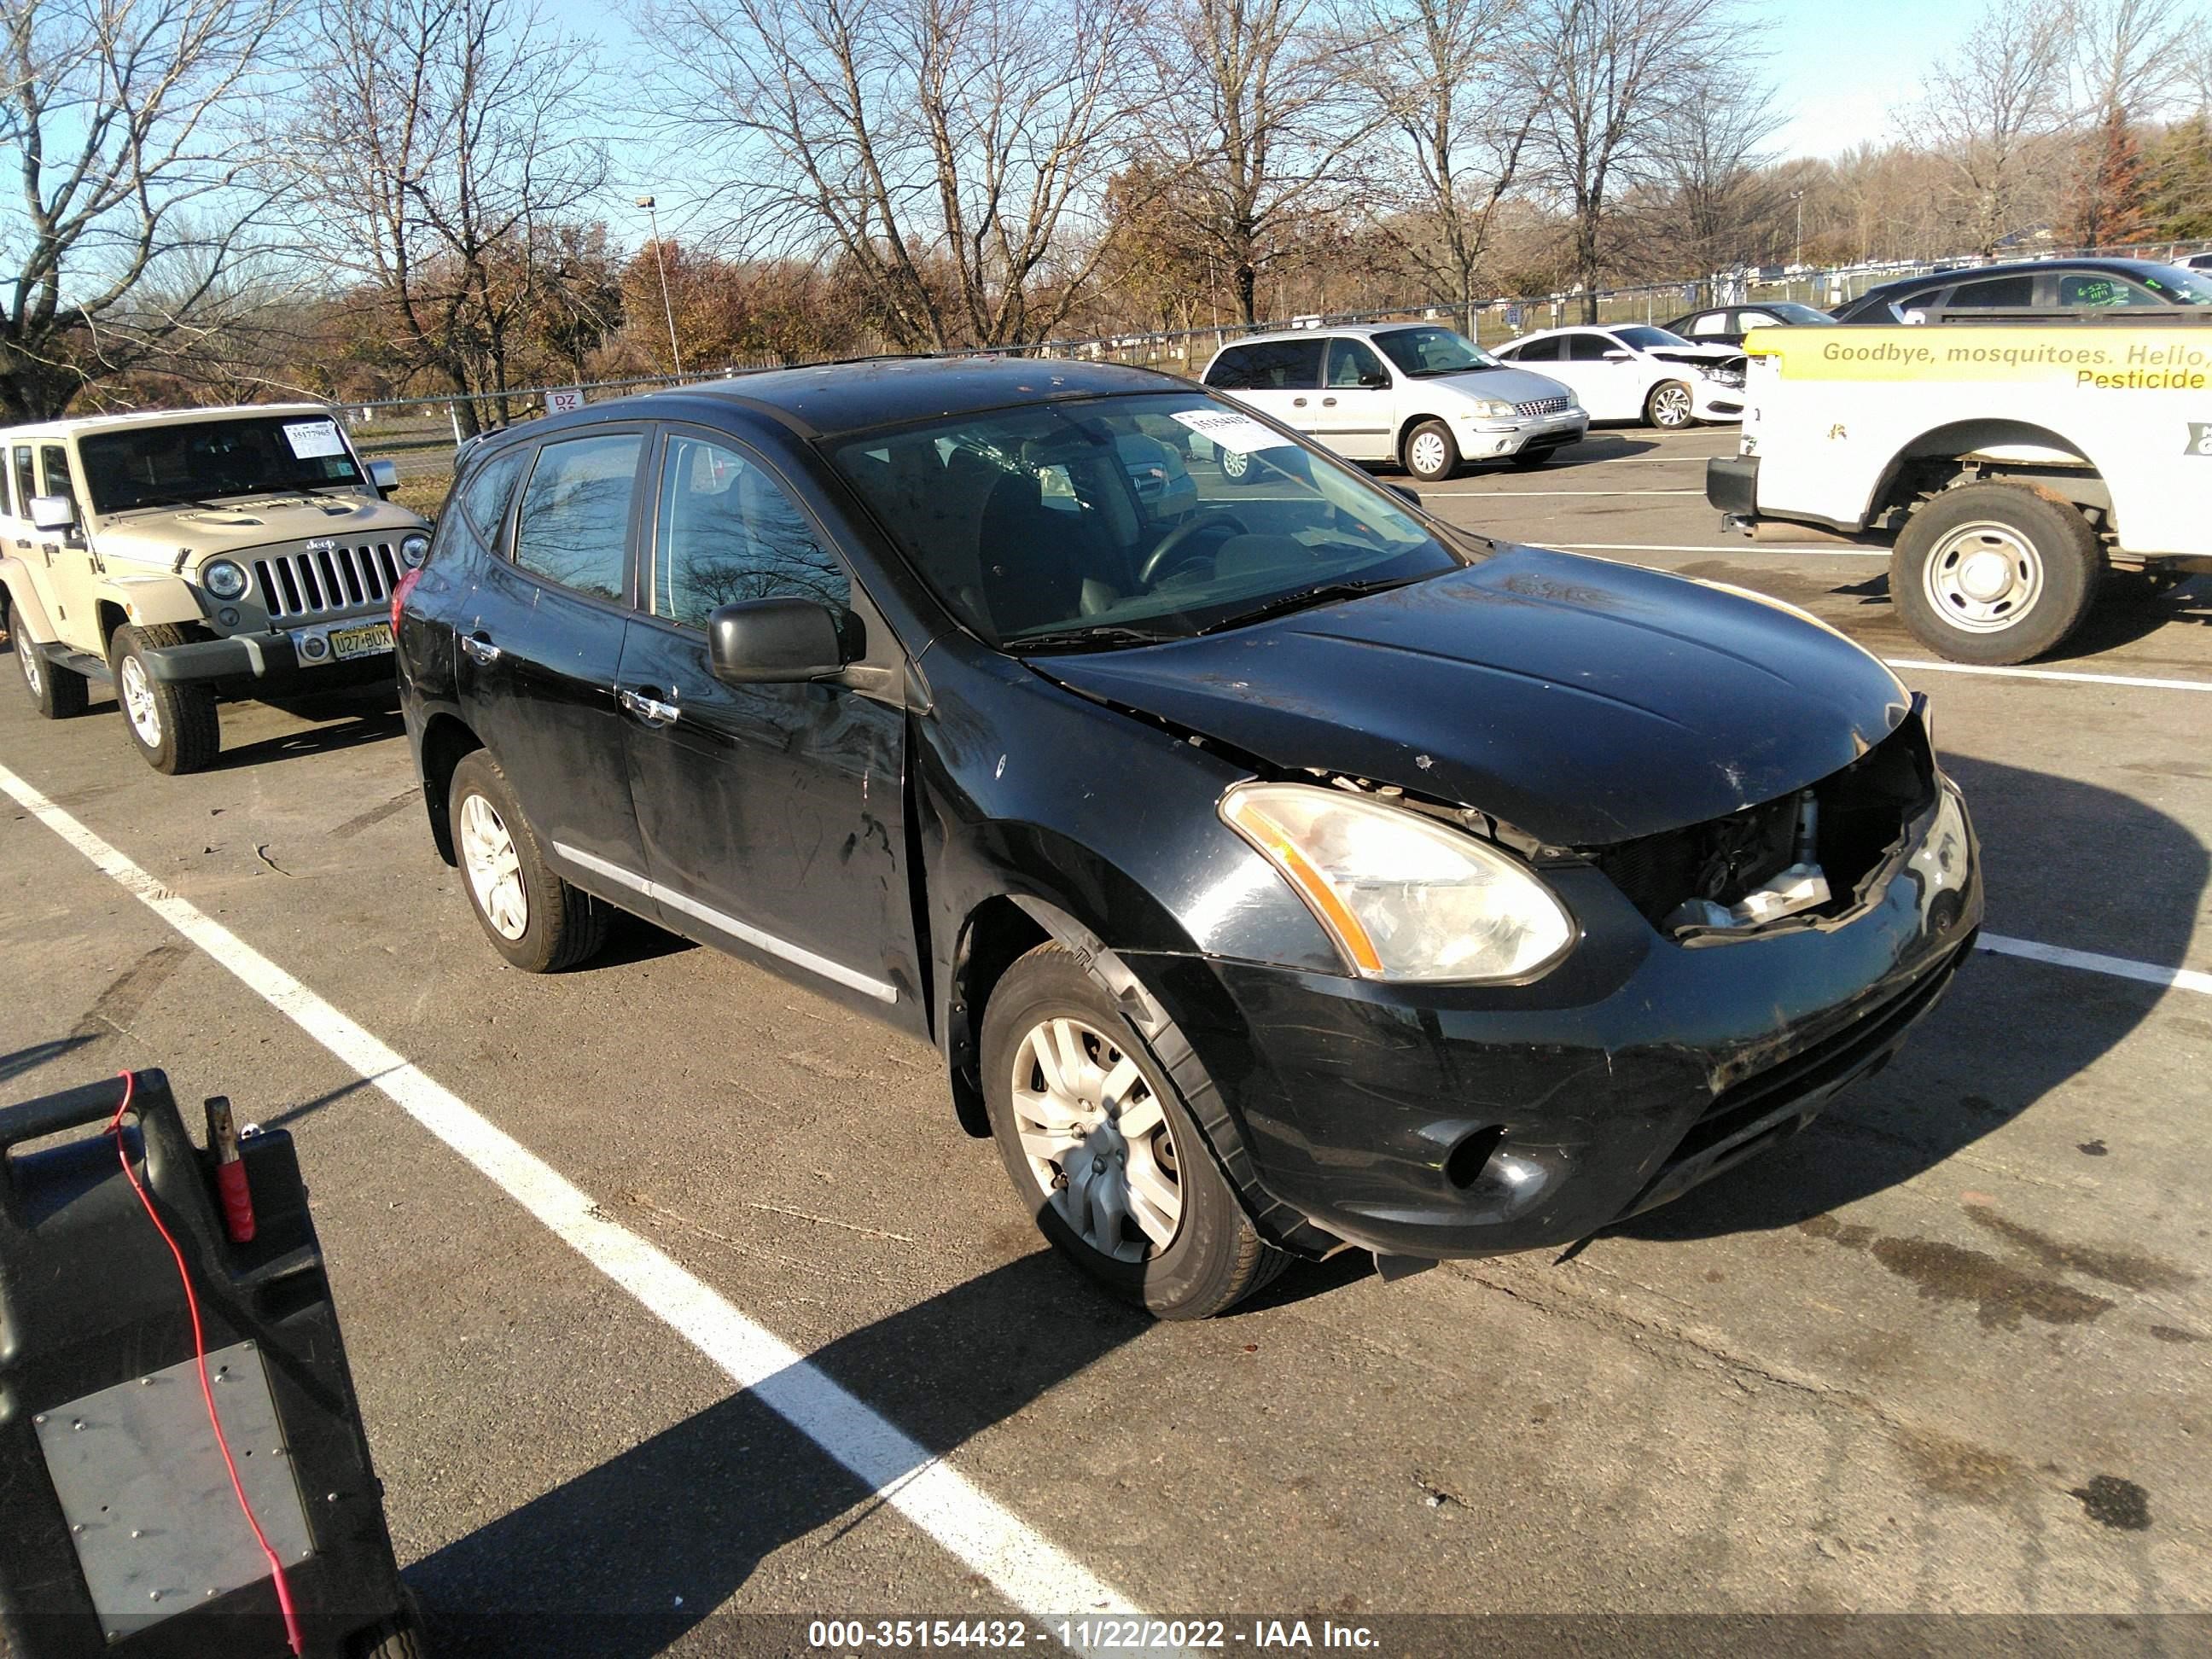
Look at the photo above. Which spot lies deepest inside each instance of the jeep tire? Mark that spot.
(174, 725)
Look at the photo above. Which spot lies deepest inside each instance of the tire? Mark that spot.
(1953, 553)
(1213, 1256)
(399, 1636)
(58, 694)
(1670, 406)
(1237, 467)
(544, 925)
(174, 728)
(1430, 453)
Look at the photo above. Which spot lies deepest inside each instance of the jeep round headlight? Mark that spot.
(414, 549)
(223, 579)
(1404, 896)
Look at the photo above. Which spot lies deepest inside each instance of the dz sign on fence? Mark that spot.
(565, 401)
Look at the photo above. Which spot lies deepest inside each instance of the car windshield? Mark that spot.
(1124, 521)
(1425, 351)
(196, 460)
(1790, 311)
(2182, 287)
(1648, 339)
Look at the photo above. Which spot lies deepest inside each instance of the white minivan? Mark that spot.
(1423, 397)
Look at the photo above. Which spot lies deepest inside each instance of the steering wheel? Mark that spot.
(1223, 524)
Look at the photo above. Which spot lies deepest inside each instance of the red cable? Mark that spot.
(199, 1358)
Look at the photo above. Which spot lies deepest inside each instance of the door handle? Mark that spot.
(1328, 403)
(1297, 403)
(651, 710)
(480, 649)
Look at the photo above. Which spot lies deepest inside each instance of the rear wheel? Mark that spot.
(1103, 1152)
(1994, 572)
(174, 727)
(536, 920)
(1430, 453)
(56, 693)
(1669, 407)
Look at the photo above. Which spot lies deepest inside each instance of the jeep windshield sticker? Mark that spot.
(1239, 434)
(311, 438)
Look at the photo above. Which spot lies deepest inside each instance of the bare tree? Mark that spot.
(116, 117)
(1992, 108)
(1617, 69)
(1459, 84)
(2130, 55)
(1723, 197)
(944, 152)
(1259, 123)
(439, 137)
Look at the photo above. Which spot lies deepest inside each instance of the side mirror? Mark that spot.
(776, 642)
(385, 475)
(1406, 493)
(53, 512)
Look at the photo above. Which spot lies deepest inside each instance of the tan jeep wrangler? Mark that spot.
(193, 553)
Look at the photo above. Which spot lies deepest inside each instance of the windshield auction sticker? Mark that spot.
(311, 438)
(1239, 434)
(2136, 359)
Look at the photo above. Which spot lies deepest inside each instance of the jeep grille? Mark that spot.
(336, 578)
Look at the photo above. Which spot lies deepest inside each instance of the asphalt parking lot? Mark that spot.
(1947, 1352)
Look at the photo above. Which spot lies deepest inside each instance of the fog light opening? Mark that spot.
(1463, 1164)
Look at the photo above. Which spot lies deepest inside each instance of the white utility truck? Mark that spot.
(2014, 469)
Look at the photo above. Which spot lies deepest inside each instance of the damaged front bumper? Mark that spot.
(1473, 1120)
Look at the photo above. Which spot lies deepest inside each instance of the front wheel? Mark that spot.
(1237, 466)
(1432, 454)
(174, 727)
(1994, 572)
(1670, 407)
(1102, 1150)
(534, 918)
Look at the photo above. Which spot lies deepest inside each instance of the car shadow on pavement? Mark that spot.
(1997, 1047)
(347, 727)
(625, 1559)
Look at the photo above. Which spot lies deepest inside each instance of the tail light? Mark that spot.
(399, 592)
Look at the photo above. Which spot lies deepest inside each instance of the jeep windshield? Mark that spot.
(184, 462)
(1027, 523)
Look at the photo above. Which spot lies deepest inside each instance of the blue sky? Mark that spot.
(1841, 67)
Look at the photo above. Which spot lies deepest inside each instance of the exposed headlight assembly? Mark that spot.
(414, 549)
(1404, 896)
(223, 579)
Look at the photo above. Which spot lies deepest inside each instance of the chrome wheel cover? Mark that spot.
(1097, 1141)
(137, 691)
(494, 868)
(1983, 577)
(1234, 463)
(1427, 455)
(1670, 404)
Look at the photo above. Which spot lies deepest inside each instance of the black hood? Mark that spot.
(1582, 701)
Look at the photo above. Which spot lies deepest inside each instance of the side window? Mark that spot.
(1999, 292)
(27, 481)
(1747, 320)
(1536, 351)
(1715, 322)
(2091, 289)
(1588, 348)
(1283, 366)
(1351, 365)
(485, 502)
(575, 514)
(725, 531)
(1231, 371)
(53, 464)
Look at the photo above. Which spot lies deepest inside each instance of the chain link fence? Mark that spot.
(419, 435)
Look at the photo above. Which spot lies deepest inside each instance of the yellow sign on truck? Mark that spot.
(2015, 467)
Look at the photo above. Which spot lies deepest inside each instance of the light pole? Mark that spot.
(1798, 197)
(660, 259)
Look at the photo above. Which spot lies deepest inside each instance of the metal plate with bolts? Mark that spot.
(149, 1507)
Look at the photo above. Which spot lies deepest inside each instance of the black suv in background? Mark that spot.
(2063, 288)
(1274, 867)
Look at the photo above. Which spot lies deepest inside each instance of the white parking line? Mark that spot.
(2050, 674)
(2094, 962)
(1028, 1570)
(1737, 547)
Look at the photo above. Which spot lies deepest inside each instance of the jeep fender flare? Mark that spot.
(149, 601)
(27, 611)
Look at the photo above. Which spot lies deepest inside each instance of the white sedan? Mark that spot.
(1637, 372)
